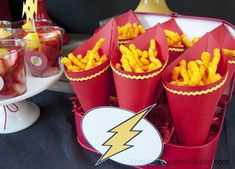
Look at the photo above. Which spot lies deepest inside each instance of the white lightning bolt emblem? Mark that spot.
(123, 133)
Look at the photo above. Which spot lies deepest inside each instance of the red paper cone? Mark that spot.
(193, 108)
(172, 25)
(136, 91)
(223, 36)
(127, 17)
(92, 87)
(174, 52)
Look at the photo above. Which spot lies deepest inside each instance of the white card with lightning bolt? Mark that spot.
(122, 135)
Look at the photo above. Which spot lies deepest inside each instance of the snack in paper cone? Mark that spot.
(193, 108)
(136, 91)
(174, 51)
(177, 40)
(129, 27)
(92, 86)
(223, 36)
(127, 17)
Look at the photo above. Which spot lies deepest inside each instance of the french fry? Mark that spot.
(102, 59)
(76, 61)
(125, 64)
(196, 75)
(97, 45)
(135, 53)
(67, 62)
(186, 41)
(136, 30)
(153, 54)
(90, 63)
(215, 78)
(141, 28)
(129, 56)
(152, 67)
(85, 59)
(97, 57)
(176, 73)
(139, 52)
(172, 37)
(202, 70)
(213, 66)
(229, 53)
(205, 80)
(144, 58)
(195, 40)
(184, 72)
(74, 68)
(79, 57)
(205, 57)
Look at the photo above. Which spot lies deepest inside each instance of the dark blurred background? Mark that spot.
(83, 16)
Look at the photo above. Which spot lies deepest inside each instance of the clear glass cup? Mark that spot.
(42, 55)
(12, 68)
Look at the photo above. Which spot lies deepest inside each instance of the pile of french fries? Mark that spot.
(138, 61)
(175, 40)
(90, 60)
(129, 31)
(199, 72)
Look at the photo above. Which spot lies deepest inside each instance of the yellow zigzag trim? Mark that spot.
(139, 77)
(123, 42)
(231, 61)
(88, 77)
(176, 49)
(198, 92)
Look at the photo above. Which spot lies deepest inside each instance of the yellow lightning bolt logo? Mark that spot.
(30, 7)
(123, 133)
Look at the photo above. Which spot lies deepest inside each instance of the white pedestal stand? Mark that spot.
(16, 113)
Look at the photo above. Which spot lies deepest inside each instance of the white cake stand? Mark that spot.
(16, 113)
